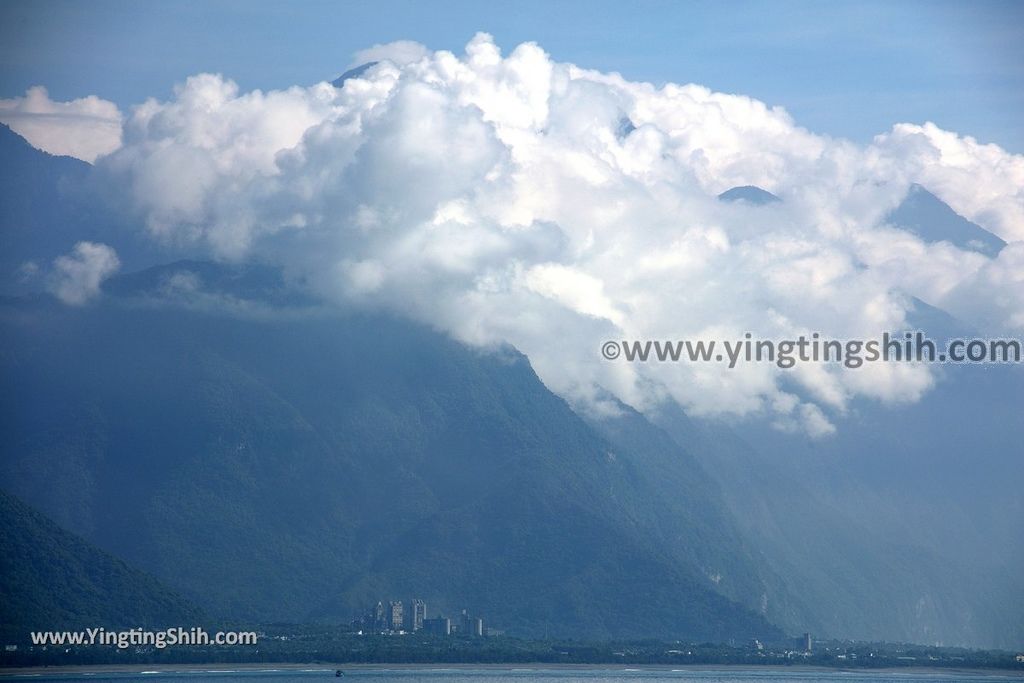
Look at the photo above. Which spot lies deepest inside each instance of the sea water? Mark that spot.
(514, 675)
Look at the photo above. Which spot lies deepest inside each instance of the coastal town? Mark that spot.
(410, 616)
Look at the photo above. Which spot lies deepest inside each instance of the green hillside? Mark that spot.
(53, 580)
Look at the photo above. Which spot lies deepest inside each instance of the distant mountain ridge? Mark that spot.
(49, 204)
(920, 212)
(301, 468)
(38, 194)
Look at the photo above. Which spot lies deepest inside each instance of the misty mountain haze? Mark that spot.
(288, 353)
(302, 460)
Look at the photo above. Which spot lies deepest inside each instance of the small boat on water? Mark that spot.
(338, 673)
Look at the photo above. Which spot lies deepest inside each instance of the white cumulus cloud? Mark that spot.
(514, 199)
(76, 277)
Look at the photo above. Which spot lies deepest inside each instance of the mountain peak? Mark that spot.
(931, 219)
(354, 72)
(749, 194)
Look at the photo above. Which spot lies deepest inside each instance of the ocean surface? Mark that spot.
(516, 675)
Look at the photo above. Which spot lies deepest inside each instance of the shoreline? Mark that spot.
(94, 669)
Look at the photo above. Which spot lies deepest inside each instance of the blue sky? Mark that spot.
(845, 69)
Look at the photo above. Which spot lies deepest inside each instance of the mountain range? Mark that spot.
(230, 440)
(302, 467)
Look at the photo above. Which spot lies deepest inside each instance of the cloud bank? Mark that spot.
(85, 128)
(513, 199)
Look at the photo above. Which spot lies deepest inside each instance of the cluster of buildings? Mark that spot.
(410, 616)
